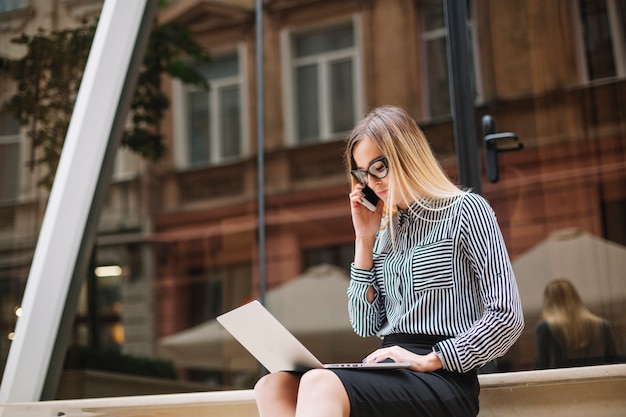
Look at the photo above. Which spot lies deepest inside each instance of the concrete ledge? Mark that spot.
(89, 383)
(598, 391)
(573, 392)
(239, 403)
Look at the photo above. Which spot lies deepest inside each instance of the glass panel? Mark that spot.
(561, 200)
(621, 11)
(342, 96)
(199, 128)
(437, 69)
(598, 40)
(9, 5)
(472, 67)
(205, 299)
(222, 67)
(332, 39)
(433, 14)
(436, 58)
(433, 17)
(186, 242)
(11, 289)
(307, 86)
(9, 158)
(339, 255)
(230, 121)
(110, 306)
(226, 116)
(324, 83)
(9, 126)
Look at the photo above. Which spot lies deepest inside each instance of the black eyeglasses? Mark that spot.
(378, 168)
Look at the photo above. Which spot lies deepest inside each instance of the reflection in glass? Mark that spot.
(598, 38)
(199, 127)
(342, 100)
(307, 83)
(324, 82)
(569, 334)
(561, 202)
(230, 121)
(214, 121)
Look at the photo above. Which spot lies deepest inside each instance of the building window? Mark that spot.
(11, 5)
(340, 255)
(323, 82)
(436, 59)
(213, 120)
(614, 221)
(602, 24)
(14, 14)
(9, 156)
(216, 290)
(84, 9)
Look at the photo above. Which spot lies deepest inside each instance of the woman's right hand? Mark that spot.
(366, 223)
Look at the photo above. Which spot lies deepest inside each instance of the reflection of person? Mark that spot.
(435, 281)
(569, 334)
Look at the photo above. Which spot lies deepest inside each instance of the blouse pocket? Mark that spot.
(431, 266)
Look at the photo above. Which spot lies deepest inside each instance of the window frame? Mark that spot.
(290, 64)
(180, 115)
(439, 33)
(83, 9)
(15, 140)
(618, 34)
(17, 5)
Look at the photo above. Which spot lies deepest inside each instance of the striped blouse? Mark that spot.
(446, 272)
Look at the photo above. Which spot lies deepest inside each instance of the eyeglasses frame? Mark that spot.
(366, 172)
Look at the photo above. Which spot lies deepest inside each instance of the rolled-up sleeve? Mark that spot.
(366, 318)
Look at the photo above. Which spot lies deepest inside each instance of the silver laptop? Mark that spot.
(275, 347)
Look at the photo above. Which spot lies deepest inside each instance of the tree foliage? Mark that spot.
(48, 77)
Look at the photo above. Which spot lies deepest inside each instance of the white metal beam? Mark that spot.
(66, 235)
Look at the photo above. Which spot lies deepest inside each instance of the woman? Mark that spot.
(435, 281)
(570, 334)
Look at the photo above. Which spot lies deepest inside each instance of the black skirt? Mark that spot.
(399, 393)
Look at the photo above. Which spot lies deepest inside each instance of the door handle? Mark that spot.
(493, 146)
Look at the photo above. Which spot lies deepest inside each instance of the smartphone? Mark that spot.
(370, 199)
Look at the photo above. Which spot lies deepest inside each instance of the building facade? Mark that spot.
(185, 230)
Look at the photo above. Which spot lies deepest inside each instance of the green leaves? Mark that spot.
(49, 74)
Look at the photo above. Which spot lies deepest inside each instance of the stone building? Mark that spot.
(185, 230)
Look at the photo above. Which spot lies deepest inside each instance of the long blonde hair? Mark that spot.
(566, 314)
(415, 174)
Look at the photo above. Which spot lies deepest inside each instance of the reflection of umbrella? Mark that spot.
(595, 266)
(313, 306)
(206, 346)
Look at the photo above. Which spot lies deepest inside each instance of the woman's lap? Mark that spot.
(382, 393)
(408, 393)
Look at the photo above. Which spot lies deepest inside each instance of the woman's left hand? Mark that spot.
(420, 363)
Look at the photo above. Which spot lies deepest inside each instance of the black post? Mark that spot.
(461, 97)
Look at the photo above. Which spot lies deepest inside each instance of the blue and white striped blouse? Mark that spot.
(448, 274)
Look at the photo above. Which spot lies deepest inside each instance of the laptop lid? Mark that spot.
(275, 347)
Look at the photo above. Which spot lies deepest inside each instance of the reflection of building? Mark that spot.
(534, 78)
(185, 230)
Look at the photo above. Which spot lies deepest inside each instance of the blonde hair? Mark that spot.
(415, 175)
(567, 316)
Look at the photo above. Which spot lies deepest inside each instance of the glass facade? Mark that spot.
(179, 236)
(325, 77)
(214, 121)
